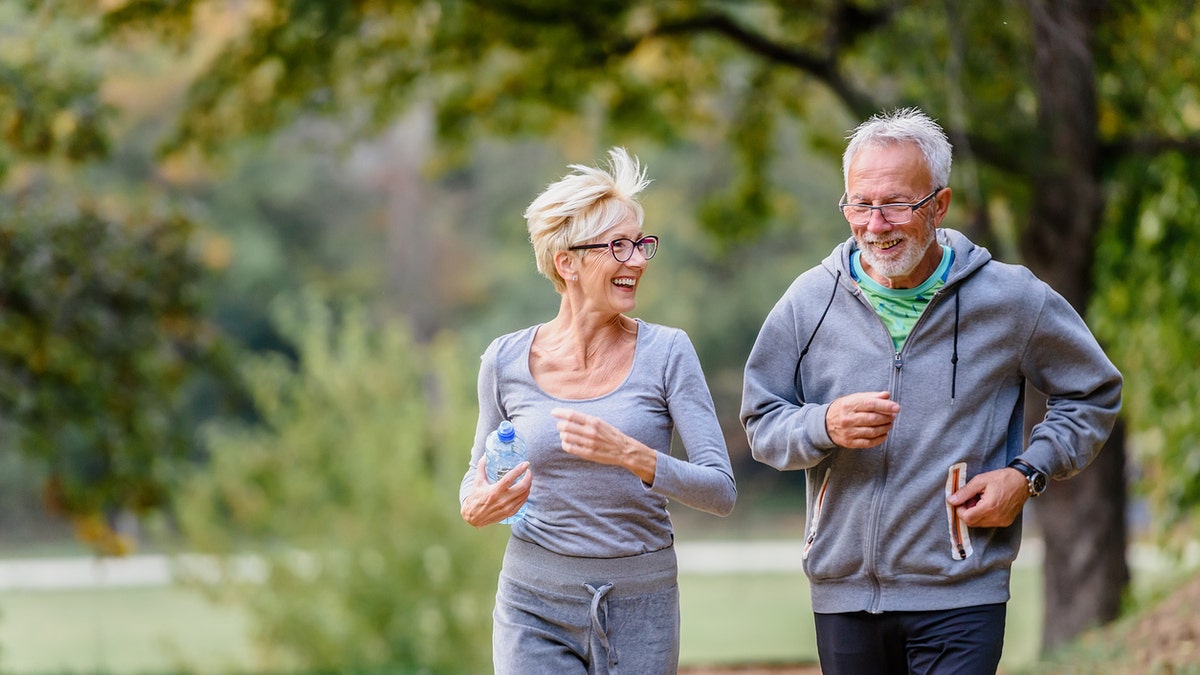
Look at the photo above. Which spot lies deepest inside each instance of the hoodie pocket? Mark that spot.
(960, 534)
(815, 521)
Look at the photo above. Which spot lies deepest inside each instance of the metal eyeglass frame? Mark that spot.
(858, 208)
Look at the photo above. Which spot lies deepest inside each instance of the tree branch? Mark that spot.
(844, 28)
(998, 155)
(1146, 146)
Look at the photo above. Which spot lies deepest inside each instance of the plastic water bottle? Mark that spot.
(504, 450)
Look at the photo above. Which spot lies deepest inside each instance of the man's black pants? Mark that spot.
(965, 641)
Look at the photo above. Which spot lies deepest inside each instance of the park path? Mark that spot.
(159, 570)
(695, 557)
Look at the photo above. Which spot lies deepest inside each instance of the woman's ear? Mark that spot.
(566, 264)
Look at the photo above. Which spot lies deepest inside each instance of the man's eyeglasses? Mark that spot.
(896, 214)
(622, 249)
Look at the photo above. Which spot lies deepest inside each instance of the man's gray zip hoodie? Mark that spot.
(879, 533)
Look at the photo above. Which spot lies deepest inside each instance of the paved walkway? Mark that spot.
(131, 571)
(698, 557)
(48, 573)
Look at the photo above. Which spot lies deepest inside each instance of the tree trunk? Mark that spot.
(1082, 521)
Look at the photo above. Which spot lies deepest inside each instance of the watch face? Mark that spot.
(1037, 483)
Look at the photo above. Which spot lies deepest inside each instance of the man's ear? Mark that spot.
(941, 204)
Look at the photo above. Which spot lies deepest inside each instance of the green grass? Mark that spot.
(727, 618)
(119, 631)
(745, 618)
(765, 618)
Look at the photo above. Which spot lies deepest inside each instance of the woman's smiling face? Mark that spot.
(604, 279)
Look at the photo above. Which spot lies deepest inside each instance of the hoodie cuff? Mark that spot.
(818, 434)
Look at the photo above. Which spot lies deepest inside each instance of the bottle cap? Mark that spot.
(505, 432)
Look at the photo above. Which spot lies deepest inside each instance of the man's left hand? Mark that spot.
(992, 499)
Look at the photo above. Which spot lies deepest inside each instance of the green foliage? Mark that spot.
(1149, 300)
(106, 344)
(627, 71)
(103, 335)
(50, 104)
(1148, 312)
(1149, 61)
(347, 487)
(285, 214)
(743, 210)
(727, 76)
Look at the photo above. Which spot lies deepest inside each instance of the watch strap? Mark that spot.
(1036, 479)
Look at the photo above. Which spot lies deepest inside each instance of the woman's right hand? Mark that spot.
(492, 502)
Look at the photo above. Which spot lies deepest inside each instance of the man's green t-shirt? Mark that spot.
(899, 308)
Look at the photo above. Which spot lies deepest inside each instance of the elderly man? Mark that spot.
(893, 373)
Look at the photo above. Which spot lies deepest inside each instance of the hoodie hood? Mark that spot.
(968, 257)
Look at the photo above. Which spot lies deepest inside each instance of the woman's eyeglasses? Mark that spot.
(622, 249)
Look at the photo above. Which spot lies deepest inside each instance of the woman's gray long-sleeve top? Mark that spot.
(581, 508)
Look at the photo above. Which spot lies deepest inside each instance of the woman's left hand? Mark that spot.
(591, 438)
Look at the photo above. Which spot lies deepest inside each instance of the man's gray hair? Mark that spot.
(904, 125)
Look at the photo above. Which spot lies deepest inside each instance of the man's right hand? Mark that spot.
(861, 420)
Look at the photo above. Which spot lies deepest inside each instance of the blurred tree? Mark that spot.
(348, 490)
(104, 332)
(285, 213)
(1038, 141)
(50, 103)
(1149, 303)
(103, 340)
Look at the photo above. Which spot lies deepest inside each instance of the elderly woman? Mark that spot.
(589, 576)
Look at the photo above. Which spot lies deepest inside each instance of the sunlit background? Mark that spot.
(250, 252)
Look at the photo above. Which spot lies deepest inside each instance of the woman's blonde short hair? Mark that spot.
(582, 205)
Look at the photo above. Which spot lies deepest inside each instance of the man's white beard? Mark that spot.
(895, 267)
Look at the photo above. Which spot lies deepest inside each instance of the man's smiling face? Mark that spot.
(897, 256)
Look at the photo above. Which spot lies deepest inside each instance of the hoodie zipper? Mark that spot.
(816, 516)
(877, 497)
(894, 388)
(960, 535)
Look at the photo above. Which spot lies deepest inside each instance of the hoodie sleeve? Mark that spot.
(783, 431)
(1083, 389)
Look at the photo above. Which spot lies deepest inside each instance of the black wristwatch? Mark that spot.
(1037, 479)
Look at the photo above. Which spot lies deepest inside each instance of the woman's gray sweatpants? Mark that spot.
(559, 615)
